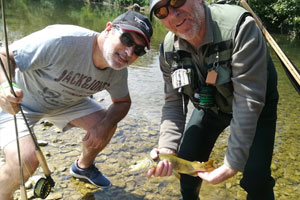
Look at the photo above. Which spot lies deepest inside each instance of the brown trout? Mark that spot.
(179, 165)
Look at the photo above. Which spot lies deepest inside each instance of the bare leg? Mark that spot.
(88, 155)
(10, 171)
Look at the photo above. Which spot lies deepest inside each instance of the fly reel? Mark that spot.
(43, 187)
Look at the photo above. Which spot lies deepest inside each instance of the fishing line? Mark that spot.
(43, 185)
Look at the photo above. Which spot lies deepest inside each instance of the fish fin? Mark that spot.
(210, 162)
(210, 165)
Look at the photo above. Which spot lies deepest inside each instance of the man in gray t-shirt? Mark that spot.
(55, 70)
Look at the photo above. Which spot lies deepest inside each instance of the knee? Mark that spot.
(29, 164)
(10, 178)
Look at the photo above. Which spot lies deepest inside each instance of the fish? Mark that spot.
(179, 165)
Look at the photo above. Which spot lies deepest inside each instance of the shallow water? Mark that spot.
(138, 133)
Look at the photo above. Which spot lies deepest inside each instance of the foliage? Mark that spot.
(281, 16)
(287, 16)
(277, 15)
(36, 14)
(129, 2)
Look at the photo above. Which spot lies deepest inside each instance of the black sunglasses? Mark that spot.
(163, 11)
(128, 41)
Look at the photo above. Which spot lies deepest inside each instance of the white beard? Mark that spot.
(109, 53)
(199, 14)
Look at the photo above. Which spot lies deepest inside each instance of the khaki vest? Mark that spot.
(226, 20)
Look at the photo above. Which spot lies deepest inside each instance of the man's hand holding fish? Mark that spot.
(164, 162)
(218, 175)
(164, 167)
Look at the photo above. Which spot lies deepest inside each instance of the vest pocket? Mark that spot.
(224, 74)
(224, 97)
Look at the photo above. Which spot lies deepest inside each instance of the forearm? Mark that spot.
(8, 72)
(8, 101)
(172, 125)
(116, 112)
(249, 77)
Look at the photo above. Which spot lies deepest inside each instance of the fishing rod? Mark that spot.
(290, 69)
(43, 185)
(23, 193)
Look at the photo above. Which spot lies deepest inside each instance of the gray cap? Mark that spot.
(152, 3)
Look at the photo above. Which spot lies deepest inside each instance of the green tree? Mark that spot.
(286, 16)
(126, 3)
(280, 16)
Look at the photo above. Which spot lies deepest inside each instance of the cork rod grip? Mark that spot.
(42, 162)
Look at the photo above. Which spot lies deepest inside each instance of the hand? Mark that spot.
(164, 167)
(218, 175)
(98, 136)
(8, 102)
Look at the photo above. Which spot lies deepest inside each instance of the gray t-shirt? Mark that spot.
(56, 69)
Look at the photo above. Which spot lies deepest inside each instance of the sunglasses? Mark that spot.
(128, 41)
(163, 11)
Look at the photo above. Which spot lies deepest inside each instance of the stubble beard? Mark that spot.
(108, 54)
(198, 11)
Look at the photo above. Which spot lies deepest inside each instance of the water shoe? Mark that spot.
(92, 174)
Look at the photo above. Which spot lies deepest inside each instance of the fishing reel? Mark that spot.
(43, 187)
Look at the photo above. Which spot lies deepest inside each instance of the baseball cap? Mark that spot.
(152, 3)
(135, 22)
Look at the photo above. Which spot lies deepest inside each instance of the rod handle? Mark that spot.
(23, 192)
(43, 162)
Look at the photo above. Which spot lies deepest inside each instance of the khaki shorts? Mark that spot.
(59, 119)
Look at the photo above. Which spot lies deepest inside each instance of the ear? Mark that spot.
(109, 26)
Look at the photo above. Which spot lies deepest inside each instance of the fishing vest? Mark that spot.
(217, 56)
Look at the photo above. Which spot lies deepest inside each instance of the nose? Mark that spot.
(172, 11)
(130, 50)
